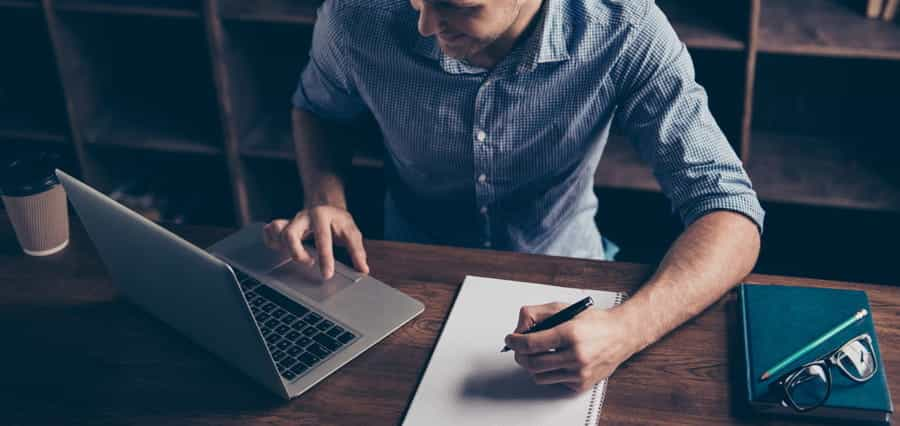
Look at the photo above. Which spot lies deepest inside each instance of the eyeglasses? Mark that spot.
(809, 386)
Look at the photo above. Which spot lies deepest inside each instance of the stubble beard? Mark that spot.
(465, 53)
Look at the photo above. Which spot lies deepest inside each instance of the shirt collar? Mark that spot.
(547, 43)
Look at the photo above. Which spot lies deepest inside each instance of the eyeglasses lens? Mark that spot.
(856, 359)
(809, 387)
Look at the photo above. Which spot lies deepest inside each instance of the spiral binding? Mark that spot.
(598, 392)
(596, 403)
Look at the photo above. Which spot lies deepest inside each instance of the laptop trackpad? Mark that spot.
(308, 280)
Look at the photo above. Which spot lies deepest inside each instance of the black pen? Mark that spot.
(559, 317)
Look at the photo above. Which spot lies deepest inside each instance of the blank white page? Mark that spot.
(469, 382)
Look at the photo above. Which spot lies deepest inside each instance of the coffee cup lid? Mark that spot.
(28, 174)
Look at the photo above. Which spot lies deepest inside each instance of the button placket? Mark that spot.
(482, 158)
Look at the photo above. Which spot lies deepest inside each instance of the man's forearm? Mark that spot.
(712, 255)
(319, 161)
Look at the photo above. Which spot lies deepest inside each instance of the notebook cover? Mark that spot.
(778, 320)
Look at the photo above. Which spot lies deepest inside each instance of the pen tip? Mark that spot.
(505, 349)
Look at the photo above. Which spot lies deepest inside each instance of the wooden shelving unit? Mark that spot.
(153, 93)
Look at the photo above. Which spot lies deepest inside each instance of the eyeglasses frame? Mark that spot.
(832, 358)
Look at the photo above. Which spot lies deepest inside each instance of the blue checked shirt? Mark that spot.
(505, 158)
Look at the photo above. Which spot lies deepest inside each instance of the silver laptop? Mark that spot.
(274, 319)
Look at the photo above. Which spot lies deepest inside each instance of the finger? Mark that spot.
(547, 361)
(272, 232)
(535, 343)
(567, 377)
(348, 235)
(323, 246)
(357, 251)
(531, 315)
(292, 238)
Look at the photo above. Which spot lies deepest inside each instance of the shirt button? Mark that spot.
(483, 209)
(482, 178)
(487, 244)
(481, 136)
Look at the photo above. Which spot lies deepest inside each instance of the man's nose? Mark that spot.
(428, 21)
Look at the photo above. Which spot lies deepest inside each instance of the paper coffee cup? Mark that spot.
(36, 204)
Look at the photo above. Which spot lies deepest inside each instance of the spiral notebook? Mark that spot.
(468, 381)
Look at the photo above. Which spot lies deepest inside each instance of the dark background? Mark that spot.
(180, 109)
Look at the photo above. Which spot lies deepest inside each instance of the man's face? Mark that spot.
(463, 28)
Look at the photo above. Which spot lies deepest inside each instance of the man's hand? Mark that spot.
(587, 348)
(327, 224)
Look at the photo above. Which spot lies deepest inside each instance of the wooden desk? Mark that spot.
(73, 352)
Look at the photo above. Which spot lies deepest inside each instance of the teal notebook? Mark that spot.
(778, 320)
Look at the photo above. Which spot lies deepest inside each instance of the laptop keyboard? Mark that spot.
(298, 337)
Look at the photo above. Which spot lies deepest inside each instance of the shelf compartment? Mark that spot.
(165, 186)
(284, 11)
(160, 8)
(827, 97)
(265, 67)
(141, 82)
(264, 62)
(704, 24)
(826, 28)
(826, 172)
(824, 130)
(31, 101)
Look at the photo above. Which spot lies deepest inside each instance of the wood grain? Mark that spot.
(825, 28)
(83, 355)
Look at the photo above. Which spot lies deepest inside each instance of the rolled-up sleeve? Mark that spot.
(326, 86)
(665, 114)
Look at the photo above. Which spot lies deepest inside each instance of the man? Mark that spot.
(494, 116)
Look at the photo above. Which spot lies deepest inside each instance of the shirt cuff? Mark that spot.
(745, 204)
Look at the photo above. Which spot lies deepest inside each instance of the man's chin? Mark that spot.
(455, 52)
(458, 51)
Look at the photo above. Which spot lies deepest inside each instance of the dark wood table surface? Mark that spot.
(74, 352)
